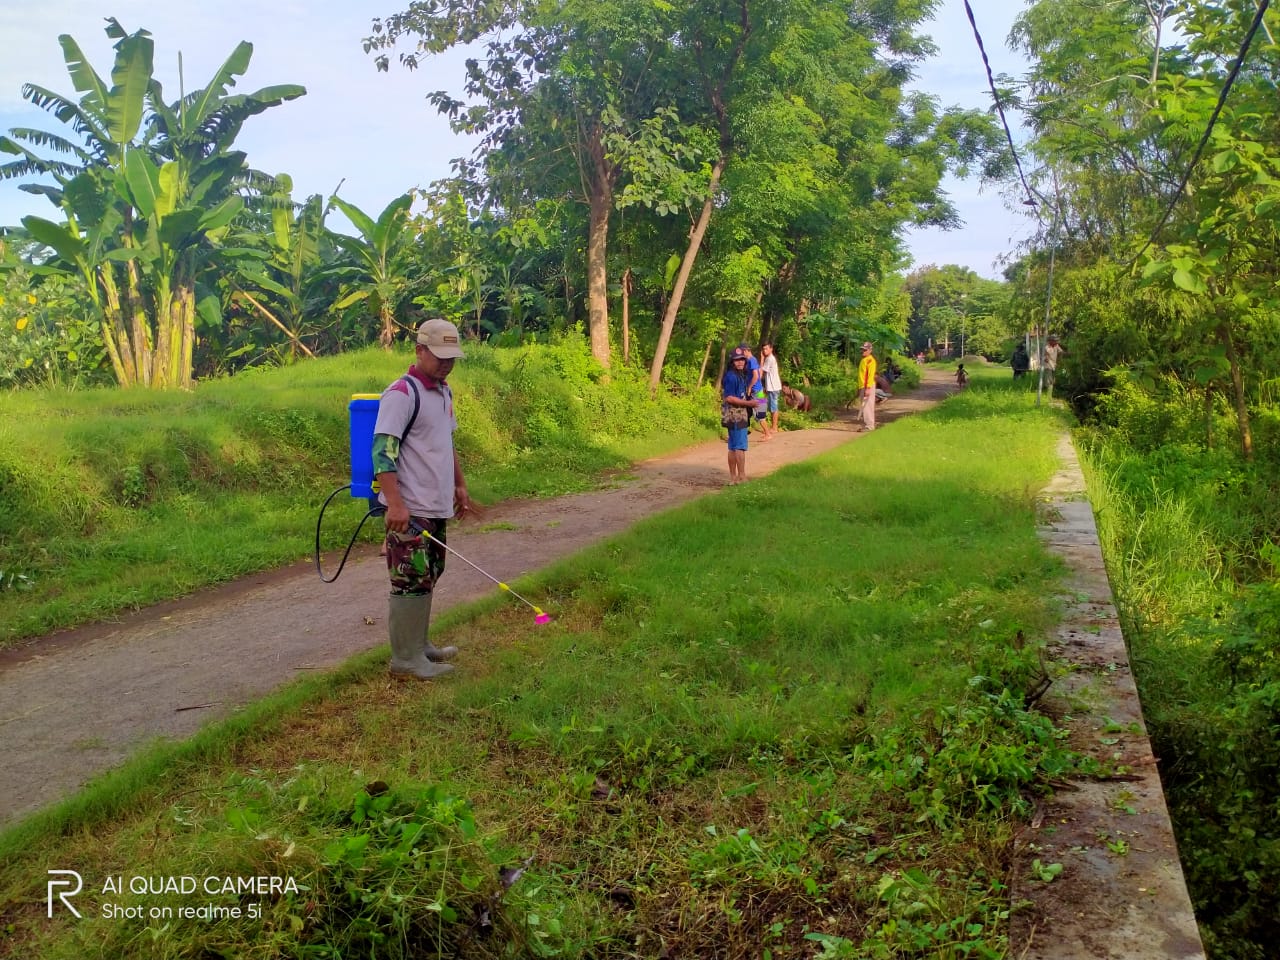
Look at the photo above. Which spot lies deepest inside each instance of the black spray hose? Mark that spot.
(375, 512)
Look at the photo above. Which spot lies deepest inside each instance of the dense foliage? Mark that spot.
(608, 189)
(1201, 609)
(1157, 262)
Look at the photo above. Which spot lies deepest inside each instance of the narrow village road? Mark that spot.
(78, 703)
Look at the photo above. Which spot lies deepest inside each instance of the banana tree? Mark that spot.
(283, 284)
(173, 242)
(154, 184)
(82, 249)
(379, 253)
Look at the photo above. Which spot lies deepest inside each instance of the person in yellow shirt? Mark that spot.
(867, 386)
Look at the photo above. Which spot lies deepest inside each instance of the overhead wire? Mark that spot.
(1204, 140)
(1032, 195)
(1004, 122)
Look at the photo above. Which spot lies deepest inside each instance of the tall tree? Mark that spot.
(1089, 97)
(556, 102)
(822, 157)
(1152, 174)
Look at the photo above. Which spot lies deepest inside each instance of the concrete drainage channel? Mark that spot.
(1119, 890)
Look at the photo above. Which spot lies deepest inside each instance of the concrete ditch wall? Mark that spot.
(1120, 893)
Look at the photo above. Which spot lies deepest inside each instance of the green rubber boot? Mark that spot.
(407, 621)
(434, 653)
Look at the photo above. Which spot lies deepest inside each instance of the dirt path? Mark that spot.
(80, 702)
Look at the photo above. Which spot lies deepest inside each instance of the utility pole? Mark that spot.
(1048, 295)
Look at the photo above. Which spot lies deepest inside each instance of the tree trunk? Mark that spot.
(682, 278)
(802, 318)
(387, 324)
(1237, 386)
(184, 305)
(168, 318)
(706, 357)
(626, 316)
(724, 356)
(168, 312)
(144, 351)
(114, 333)
(597, 271)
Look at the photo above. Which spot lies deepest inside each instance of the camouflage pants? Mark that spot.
(414, 561)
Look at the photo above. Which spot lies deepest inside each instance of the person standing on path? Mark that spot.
(755, 390)
(422, 487)
(867, 386)
(1053, 350)
(772, 381)
(735, 391)
(1020, 361)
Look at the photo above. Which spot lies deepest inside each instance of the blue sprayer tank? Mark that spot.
(364, 414)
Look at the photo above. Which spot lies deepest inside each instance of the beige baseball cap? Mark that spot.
(441, 338)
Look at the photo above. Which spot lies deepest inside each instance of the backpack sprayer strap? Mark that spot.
(417, 405)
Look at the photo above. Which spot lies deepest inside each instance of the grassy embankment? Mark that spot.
(113, 499)
(1192, 551)
(781, 719)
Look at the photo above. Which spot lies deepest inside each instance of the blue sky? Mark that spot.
(374, 132)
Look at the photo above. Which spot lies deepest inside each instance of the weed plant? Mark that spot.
(110, 499)
(1189, 536)
(784, 721)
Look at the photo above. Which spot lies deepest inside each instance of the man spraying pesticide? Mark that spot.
(421, 486)
(404, 464)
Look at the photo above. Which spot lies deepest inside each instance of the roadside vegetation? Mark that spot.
(800, 752)
(1189, 532)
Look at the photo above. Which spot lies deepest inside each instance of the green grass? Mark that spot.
(1188, 535)
(784, 718)
(112, 499)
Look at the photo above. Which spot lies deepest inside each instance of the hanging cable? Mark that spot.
(995, 94)
(1204, 140)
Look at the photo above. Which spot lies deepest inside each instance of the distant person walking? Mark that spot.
(962, 377)
(1020, 361)
(772, 381)
(867, 386)
(1053, 351)
(736, 409)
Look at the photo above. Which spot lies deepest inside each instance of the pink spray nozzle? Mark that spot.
(542, 618)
